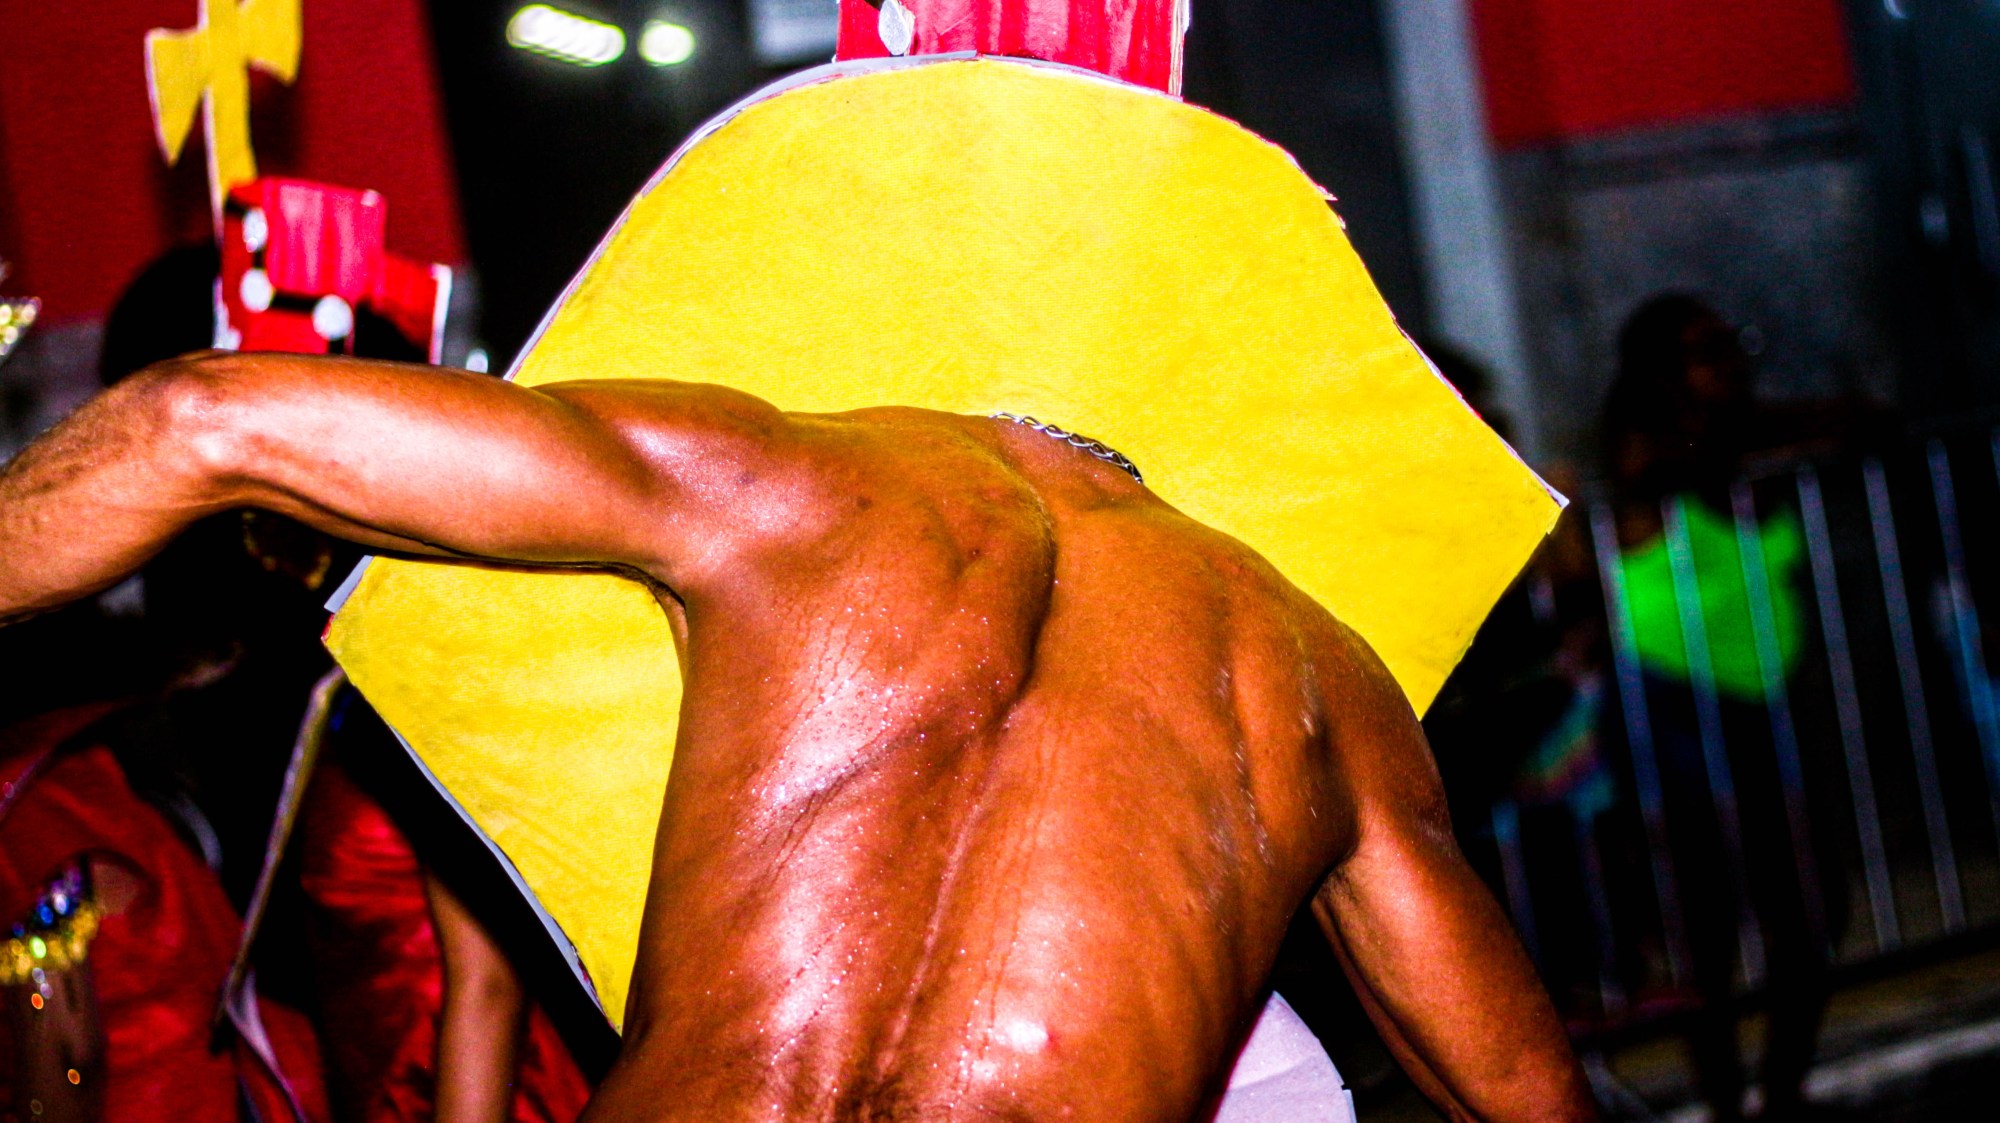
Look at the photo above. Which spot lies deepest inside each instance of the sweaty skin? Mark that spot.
(998, 779)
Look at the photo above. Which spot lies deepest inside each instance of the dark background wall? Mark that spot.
(1930, 115)
(1770, 217)
(1654, 145)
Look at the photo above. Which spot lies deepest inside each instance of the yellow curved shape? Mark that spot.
(965, 235)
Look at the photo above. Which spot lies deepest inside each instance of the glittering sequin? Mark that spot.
(56, 934)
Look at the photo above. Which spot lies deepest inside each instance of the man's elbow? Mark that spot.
(198, 417)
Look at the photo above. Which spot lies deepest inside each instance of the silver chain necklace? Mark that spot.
(1095, 448)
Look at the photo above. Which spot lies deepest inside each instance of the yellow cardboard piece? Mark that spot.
(965, 235)
(206, 66)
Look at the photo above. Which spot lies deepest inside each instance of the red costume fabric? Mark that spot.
(157, 966)
(1138, 41)
(383, 981)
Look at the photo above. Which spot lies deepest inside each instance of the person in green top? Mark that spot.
(1681, 425)
(1721, 571)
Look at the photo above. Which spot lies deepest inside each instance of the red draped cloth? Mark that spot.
(158, 965)
(382, 974)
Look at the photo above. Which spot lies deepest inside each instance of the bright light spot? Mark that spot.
(565, 35)
(665, 44)
(478, 361)
(1026, 1036)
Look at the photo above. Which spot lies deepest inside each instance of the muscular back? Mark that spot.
(998, 779)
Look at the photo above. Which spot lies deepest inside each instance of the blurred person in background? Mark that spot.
(422, 1012)
(421, 1015)
(115, 931)
(1682, 426)
(118, 938)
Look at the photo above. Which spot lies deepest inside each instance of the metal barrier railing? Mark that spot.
(1859, 709)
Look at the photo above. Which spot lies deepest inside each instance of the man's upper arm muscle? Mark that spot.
(1428, 949)
(442, 459)
(396, 457)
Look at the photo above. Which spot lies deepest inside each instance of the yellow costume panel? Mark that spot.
(967, 235)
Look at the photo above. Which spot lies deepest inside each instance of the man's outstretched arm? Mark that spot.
(1431, 956)
(401, 458)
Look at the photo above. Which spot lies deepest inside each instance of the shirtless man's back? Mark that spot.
(998, 779)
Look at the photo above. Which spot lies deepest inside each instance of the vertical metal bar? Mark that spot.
(1514, 874)
(1965, 626)
(1639, 740)
(1847, 706)
(1902, 634)
(1708, 724)
(1983, 194)
(1778, 702)
(1590, 859)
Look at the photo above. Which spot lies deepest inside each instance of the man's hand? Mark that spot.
(1431, 956)
(423, 460)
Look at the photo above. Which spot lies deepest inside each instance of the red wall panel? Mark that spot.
(85, 197)
(1555, 69)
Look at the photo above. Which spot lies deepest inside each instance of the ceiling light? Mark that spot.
(565, 35)
(665, 44)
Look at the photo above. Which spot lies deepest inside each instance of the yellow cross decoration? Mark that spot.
(208, 66)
